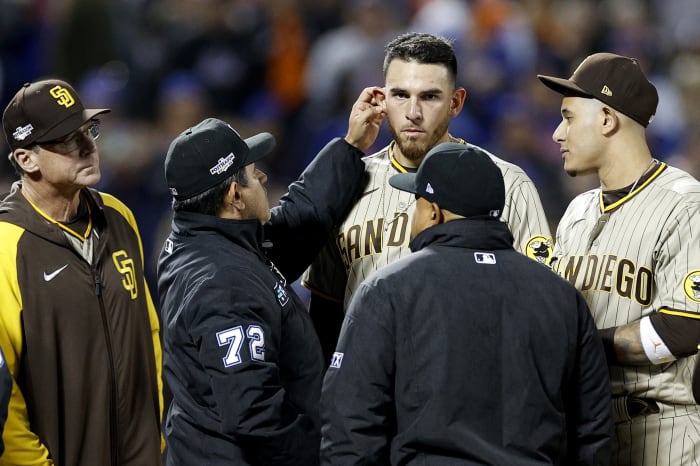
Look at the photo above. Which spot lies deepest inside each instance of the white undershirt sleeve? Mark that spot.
(654, 347)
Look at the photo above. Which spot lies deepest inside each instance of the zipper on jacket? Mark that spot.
(98, 285)
(113, 424)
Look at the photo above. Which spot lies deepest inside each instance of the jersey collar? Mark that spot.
(400, 168)
(610, 207)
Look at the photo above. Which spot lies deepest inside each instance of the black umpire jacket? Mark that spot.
(241, 355)
(466, 352)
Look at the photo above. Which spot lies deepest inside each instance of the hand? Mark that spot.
(365, 120)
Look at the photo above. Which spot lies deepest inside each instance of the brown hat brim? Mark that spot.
(71, 124)
(563, 86)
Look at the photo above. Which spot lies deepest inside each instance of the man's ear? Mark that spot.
(436, 216)
(611, 120)
(26, 159)
(459, 96)
(234, 204)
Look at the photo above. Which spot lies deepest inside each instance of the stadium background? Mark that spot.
(293, 67)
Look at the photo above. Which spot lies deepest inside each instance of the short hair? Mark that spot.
(422, 48)
(211, 201)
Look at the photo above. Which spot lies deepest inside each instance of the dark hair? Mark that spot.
(422, 48)
(211, 201)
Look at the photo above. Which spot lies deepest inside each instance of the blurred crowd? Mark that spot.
(294, 67)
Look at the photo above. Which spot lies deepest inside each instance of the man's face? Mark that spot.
(254, 195)
(73, 161)
(579, 135)
(420, 101)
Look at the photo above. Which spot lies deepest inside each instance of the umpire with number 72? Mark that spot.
(241, 355)
(465, 351)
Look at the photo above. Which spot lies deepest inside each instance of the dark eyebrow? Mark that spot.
(436, 90)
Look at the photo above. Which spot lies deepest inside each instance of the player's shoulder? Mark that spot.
(110, 200)
(581, 204)
(377, 162)
(678, 181)
(508, 169)
(379, 157)
(587, 197)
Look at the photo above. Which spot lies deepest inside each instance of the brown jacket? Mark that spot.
(81, 340)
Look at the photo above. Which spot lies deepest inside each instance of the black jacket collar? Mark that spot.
(247, 234)
(483, 233)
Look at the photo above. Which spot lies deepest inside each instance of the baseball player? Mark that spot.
(420, 97)
(629, 247)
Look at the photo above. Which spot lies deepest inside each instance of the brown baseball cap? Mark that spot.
(613, 79)
(44, 111)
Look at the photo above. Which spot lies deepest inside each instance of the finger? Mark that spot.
(369, 113)
(367, 94)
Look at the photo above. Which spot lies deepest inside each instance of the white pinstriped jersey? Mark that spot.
(633, 257)
(376, 231)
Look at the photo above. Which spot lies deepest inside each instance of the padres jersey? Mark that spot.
(376, 232)
(633, 257)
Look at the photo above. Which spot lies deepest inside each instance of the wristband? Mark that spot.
(654, 347)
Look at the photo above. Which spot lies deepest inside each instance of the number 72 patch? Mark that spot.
(235, 337)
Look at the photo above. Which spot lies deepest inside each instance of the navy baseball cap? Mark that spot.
(208, 153)
(613, 79)
(44, 111)
(460, 178)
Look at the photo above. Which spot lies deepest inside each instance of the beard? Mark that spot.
(415, 149)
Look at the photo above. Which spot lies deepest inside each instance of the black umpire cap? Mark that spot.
(460, 178)
(209, 153)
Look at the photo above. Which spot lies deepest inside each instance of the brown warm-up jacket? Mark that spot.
(80, 339)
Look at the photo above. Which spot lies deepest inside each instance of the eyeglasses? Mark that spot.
(73, 141)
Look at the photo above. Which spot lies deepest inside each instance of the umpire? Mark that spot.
(240, 351)
(465, 350)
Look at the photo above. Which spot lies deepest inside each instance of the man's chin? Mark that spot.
(413, 151)
(89, 178)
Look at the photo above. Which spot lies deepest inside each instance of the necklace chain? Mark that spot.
(646, 170)
(391, 160)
